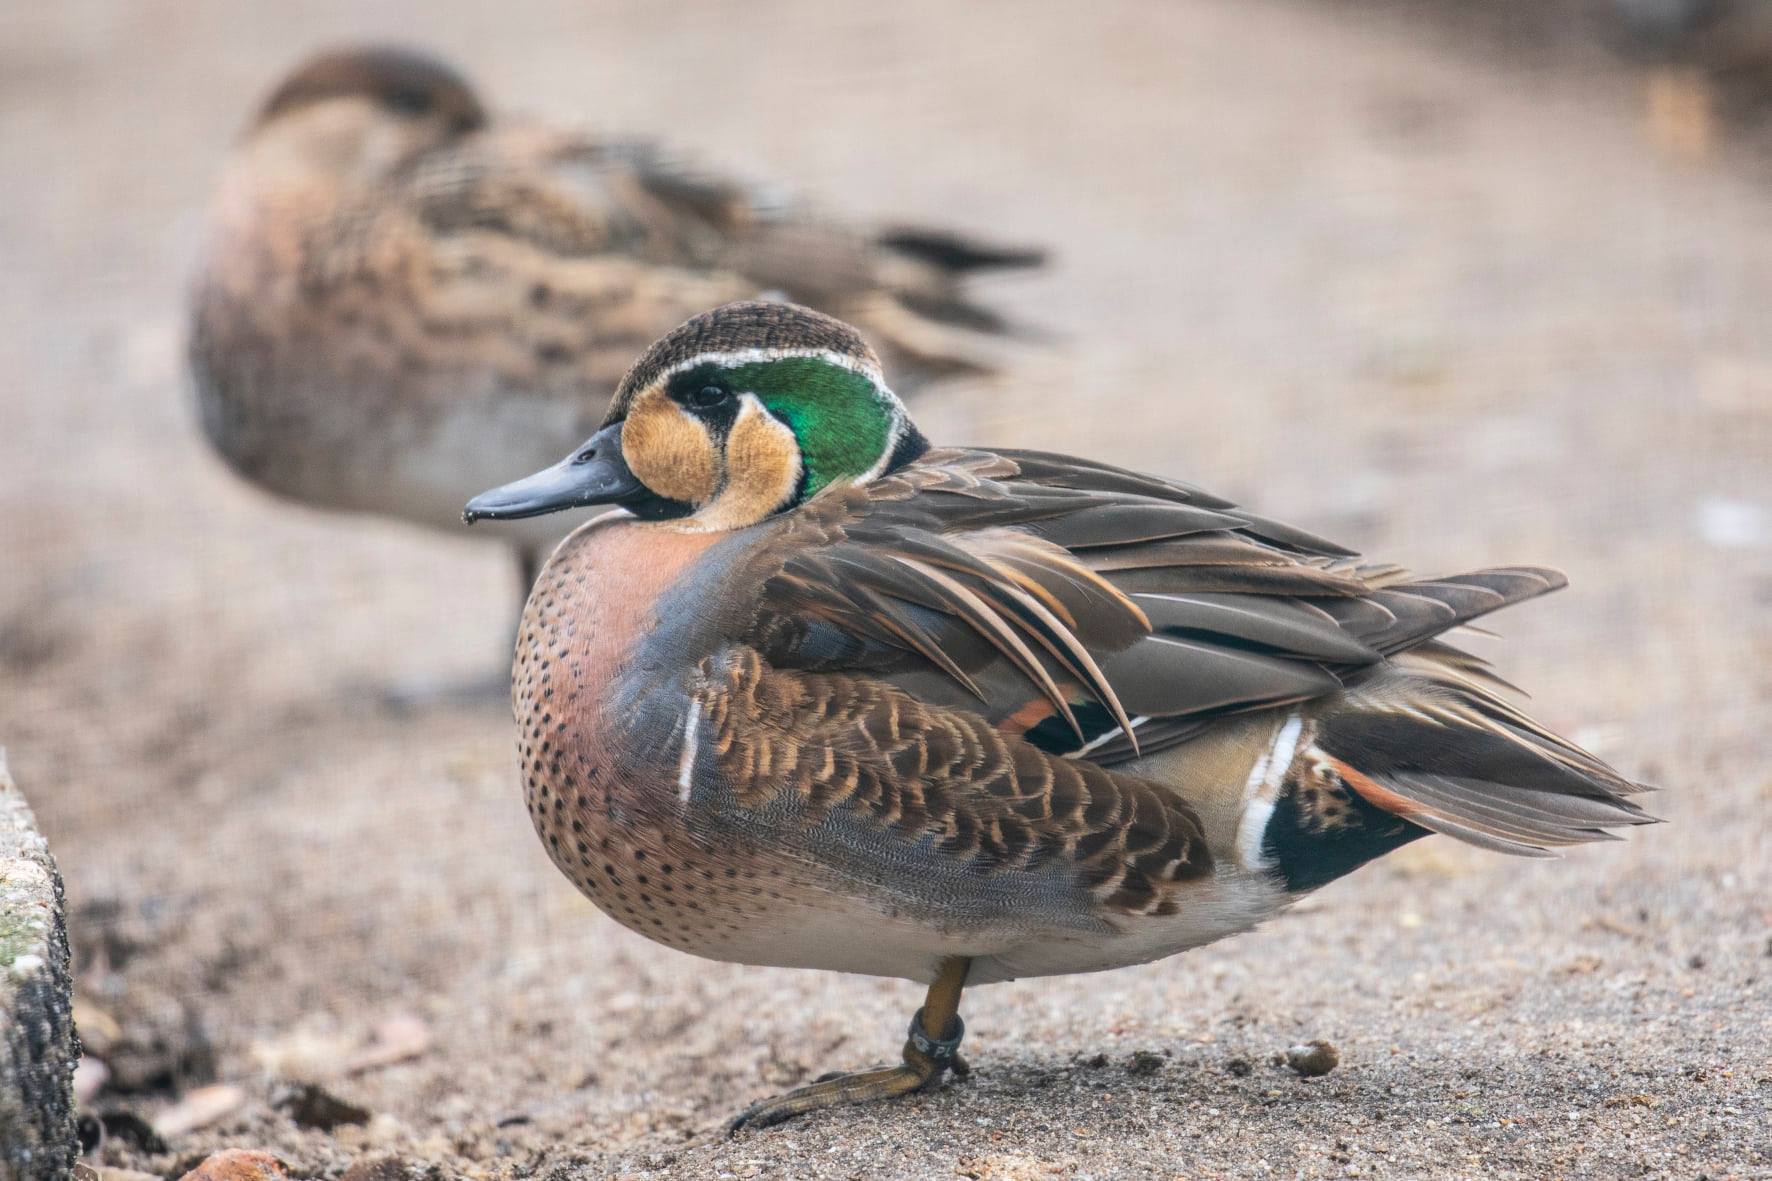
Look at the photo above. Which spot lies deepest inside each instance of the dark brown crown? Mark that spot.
(737, 327)
(401, 81)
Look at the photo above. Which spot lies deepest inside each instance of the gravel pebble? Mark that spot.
(1313, 1058)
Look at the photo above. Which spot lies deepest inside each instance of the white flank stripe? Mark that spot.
(1285, 746)
(1251, 832)
(1261, 789)
(1257, 776)
(686, 764)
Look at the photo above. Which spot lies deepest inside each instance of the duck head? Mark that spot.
(365, 110)
(742, 413)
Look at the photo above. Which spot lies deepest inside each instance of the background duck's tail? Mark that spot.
(924, 314)
(957, 254)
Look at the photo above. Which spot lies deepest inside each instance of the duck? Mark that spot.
(402, 297)
(812, 691)
(1705, 64)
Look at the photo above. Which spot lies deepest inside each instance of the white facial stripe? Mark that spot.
(892, 439)
(739, 357)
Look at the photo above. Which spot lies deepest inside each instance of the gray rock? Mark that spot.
(38, 1047)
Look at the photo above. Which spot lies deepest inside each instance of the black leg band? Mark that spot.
(940, 1050)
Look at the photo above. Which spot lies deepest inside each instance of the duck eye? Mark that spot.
(708, 397)
(408, 100)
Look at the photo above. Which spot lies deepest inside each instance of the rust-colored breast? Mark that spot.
(592, 603)
(619, 835)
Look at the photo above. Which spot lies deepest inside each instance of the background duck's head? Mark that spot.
(741, 413)
(367, 109)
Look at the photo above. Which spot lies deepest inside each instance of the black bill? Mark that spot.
(594, 474)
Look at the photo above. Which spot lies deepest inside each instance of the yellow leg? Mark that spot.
(930, 1052)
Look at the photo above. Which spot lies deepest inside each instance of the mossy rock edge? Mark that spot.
(38, 1046)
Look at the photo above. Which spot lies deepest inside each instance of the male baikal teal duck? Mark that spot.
(826, 696)
(404, 297)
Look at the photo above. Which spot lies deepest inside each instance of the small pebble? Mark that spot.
(1144, 1062)
(384, 1168)
(129, 1128)
(400, 1038)
(90, 1077)
(312, 1106)
(87, 1172)
(199, 1109)
(1314, 1058)
(239, 1164)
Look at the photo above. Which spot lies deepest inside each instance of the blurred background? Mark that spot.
(1452, 284)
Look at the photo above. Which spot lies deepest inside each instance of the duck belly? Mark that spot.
(1229, 902)
(746, 904)
(741, 909)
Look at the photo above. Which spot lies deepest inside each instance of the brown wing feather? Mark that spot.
(945, 781)
(1061, 586)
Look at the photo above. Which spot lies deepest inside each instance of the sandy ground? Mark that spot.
(1438, 300)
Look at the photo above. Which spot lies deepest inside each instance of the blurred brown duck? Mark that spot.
(826, 696)
(404, 299)
(1708, 64)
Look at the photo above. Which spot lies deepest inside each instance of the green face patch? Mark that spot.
(842, 422)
